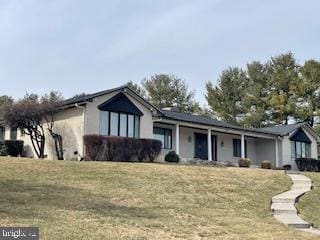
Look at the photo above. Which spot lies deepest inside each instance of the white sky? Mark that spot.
(78, 46)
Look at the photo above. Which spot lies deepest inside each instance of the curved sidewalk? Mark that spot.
(283, 205)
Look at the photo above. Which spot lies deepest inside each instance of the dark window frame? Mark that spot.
(127, 127)
(305, 149)
(165, 134)
(236, 143)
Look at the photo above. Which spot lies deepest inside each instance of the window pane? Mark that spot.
(236, 147)
(114, 117)
(308, 150)
(104, 122)
(123, 125)
(164, 135)
(13, 134)
(137, 127)
(2, 133)
(158, 134)
(298, 149)
(303, 149)
(130, 126)
(168, 139)
(293, 150)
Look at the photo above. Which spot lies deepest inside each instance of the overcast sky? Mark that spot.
(78, 46)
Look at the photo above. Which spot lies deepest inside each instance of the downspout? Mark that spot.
(84, 125)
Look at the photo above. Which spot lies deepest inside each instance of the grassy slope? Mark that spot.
(309, 204)
(81, 200)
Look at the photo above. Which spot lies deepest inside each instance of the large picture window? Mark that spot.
(300, 150)
(164, 135)
(119, 124)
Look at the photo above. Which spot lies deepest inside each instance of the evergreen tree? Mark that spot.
(283, 79)
(255, 99)
(226, 99)
(137, 88)
(170, 91)
(308, 92)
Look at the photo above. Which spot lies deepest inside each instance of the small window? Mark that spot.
(164, 135)
(237, 147)
(13, 133)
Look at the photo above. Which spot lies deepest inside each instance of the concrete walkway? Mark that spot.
(283, 204)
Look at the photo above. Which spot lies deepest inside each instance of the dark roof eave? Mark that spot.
(223, 127)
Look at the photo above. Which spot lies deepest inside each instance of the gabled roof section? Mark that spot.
(300, 136)
(89, 97)
(120, 103)
(283, 129)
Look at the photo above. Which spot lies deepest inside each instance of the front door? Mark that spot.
(201, 146)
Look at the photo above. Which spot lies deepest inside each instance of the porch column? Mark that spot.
(209, 145)
(243, 153)
(178, 138)
(277, 152)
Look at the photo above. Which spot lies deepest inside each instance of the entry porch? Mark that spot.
(193, 141)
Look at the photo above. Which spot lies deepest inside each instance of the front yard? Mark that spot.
(91, 200)
(309, 204)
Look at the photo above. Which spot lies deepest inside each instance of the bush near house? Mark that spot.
(266, 164)
(12, 148)
(172, 156)
(244, 162)
(111, 148)
(308, 164)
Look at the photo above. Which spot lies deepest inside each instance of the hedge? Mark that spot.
(12, 148)
(308, 164)
(111, 148)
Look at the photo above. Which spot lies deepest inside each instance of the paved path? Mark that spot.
(283, 204)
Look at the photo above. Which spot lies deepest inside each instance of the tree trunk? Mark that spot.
(42, 145)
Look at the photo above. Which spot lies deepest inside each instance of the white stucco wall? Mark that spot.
(69, 124)
(225, 152)
(265, 149)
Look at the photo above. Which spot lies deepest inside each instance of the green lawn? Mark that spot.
(309, 204)
(91, 200)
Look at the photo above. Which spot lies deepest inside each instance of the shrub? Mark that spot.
(15, 147)
(3, 149)
(244, 162)
(11, 147)
(172, 157)
(266, 164)
(308, 164)
(287, 167)
(111, 148)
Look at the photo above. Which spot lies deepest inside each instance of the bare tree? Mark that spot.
(33, 115)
